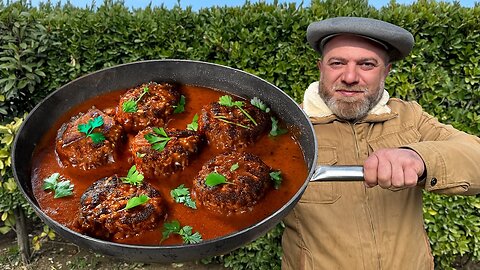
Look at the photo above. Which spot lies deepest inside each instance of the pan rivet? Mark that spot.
(433, 182)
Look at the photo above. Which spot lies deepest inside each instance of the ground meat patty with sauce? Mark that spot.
(248, 180)
(74, 148)
(102, 212)
(228, 128)
(149, 104)
(175, 155)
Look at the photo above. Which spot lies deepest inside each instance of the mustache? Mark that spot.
(352, 88)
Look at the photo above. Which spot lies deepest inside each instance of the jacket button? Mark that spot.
(433, 182)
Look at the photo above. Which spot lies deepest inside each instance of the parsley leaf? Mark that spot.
(276, 177)
(88, 128)
(228, 101)
(61, 189)
(234, 167)
(133, 177)
(255, 101)
(158, 142)
(276, 130)
(188, 237)
(215, 179)
(186, 232)
(180, 107)
(136, 201)
(182, 195)
(194, 125)
(130, 106)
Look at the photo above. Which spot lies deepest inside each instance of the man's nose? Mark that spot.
(350, 75)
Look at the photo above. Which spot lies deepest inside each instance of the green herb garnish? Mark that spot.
(276, 130)
(88, 128)
(194, 124)
(215, 179)
(130, 106)
(276, 177)
(61, 189)
(133, 177)
(255, 101)
(180, 107)
(234, 167)
(186, 232)
(158, 142)
(228, 101)
(136, 201)
(182, 195)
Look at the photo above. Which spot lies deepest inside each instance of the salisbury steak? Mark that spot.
(159, 152)
(149, 104)
(102, 212)
(229, 128)
(79, 142)
(247, 180)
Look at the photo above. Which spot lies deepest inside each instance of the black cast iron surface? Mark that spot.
(196, 73)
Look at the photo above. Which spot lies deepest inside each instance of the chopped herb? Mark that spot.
(276, 177)
(215, 179)
(182, 195)
(186, 232)
(228, 101)
(136, 201)
(222, 118)
(88, 128)
(180, 107)
(140, 155)
(61, 189)
(158, 142)
(255, 101)
(130, 106)
(234, 167)
(276, 130)
(194, 125)
(133, 177)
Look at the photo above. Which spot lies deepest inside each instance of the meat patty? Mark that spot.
(149, 104)
(102, 212)
(247, 177)
(153, 160)
(74, 148)
(228, 128)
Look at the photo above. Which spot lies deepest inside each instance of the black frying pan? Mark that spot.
(237, 82)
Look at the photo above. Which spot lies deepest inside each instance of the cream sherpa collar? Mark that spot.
(314, 106)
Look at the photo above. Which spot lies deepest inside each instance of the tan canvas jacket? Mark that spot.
(348, 226)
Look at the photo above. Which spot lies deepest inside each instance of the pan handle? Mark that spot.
(338, 173)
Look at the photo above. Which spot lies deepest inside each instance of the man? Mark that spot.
(378, 223)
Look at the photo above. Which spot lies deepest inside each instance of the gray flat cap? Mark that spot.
(398, 41)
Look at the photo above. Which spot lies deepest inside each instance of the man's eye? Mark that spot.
(338, 63)
(368, 65)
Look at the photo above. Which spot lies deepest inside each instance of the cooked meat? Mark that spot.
(149, 104)
(176, 154)
(102, 212)
(247, 182)
(228, 128)
(74, 148)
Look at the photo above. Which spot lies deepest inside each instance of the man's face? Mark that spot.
(352, 75)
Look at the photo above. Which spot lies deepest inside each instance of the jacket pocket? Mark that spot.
(322, 192)
(395, 139)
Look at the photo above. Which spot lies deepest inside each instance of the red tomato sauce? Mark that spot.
(280, 153)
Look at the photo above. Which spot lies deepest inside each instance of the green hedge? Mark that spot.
(46, 47)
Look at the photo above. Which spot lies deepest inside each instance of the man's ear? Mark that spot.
(388, 68)
(319, 63)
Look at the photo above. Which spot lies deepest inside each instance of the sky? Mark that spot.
(197, 4)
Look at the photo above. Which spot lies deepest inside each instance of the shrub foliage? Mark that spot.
(43, 48)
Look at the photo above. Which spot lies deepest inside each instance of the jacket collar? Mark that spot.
(318, 111)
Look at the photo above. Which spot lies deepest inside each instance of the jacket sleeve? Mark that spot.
(452, 157)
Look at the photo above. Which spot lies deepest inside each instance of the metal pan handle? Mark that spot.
(338, 173)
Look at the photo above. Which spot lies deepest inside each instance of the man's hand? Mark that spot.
(393, 168)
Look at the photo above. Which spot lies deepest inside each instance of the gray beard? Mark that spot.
(350, 109)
